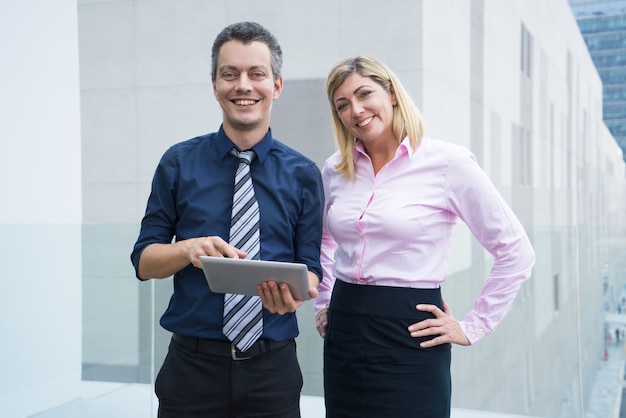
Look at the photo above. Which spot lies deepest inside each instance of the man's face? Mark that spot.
(244, 86)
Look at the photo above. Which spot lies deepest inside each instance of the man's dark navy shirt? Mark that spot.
(192, 193)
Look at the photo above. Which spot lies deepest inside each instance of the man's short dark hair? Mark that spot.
(247, 32)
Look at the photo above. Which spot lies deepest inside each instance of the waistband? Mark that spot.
(386, 301)
(228, 349)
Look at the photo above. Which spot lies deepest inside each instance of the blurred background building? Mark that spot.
(94, 91)
(603, 25)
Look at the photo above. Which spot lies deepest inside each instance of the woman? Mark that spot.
(392, 199)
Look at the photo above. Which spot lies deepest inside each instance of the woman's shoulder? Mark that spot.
(332, 161)
(435, 147)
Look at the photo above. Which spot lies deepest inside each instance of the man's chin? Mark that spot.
(245, 124)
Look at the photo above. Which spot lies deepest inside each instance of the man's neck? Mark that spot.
(245, 139)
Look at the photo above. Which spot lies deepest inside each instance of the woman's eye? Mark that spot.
(341, 107)
(366, 93)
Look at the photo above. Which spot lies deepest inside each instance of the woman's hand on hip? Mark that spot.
(445, 326)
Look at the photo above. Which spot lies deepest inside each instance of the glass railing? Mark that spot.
(548, 347)
(125, 343)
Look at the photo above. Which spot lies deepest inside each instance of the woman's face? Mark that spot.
(365, 108)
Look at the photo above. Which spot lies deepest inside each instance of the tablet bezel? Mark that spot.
(241, 276)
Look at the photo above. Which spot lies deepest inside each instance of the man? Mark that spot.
(206, 373)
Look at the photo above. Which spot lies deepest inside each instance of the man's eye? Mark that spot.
(228, 76)
(258, 75)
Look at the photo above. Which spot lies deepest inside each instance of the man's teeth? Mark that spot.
(365, 122)
(245, 102)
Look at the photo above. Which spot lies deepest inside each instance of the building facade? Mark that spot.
(512, 81)
(603, 25)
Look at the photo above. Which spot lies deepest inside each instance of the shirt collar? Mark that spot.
(406, 146)
(262, 148)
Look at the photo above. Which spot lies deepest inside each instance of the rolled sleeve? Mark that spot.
(158, 224)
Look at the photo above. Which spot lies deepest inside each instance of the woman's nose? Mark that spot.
(357, 109)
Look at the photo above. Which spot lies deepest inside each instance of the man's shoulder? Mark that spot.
(193, 146)
(292, 153)
(194, 142)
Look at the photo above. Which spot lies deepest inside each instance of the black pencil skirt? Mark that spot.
(372, 366)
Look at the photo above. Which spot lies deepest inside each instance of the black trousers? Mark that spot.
(372, 366)
(192, 384)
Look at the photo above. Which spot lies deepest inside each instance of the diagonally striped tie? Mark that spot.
(243, 319)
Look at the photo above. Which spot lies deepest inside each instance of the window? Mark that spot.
(523, 155)
(613, 75)
(555, 283)
(606, 40)
(526, 52)
(611, 58)
(602, 24)
(614, 111)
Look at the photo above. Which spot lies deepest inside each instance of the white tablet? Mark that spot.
(236, 275)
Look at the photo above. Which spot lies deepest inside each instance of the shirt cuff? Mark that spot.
(474, 331)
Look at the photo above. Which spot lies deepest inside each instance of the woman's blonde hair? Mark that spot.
(407, 119)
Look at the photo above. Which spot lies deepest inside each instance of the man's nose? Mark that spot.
(244, 82)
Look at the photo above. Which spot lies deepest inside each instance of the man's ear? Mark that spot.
(278, 87)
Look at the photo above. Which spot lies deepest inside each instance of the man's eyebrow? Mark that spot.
(236, 68)
(227, 67)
